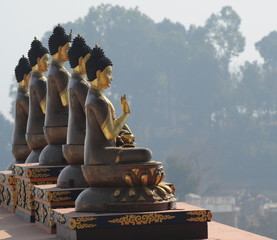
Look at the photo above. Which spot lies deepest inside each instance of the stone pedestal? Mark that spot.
(27, 175)
(184, 222)
(8, 195)
(49, 197)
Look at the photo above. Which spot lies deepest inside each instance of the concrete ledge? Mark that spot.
(14, 227)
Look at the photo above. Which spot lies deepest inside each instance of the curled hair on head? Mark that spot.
(97, 61)
(23, 67)
(36, 51)
(78, 49)
(58, 39)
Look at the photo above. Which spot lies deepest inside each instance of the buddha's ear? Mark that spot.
(60, 49)
(80, 60)
(98, 73)
(38, 59)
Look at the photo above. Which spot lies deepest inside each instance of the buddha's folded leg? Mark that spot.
(111, 155)
(129, 155)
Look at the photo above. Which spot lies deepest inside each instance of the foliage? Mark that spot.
(185, 103)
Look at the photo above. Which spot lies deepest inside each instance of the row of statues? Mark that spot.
(67, 119)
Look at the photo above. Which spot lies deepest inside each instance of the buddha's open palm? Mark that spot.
(124, 104)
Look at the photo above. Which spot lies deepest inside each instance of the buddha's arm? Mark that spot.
(112, 128)
(64, 97)
(25, 105)
(62, 82)
(41, 93)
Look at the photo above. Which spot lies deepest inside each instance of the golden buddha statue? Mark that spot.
(39, 60)
(56, 118)
(73, 150)
(123, 178)
(20, 147)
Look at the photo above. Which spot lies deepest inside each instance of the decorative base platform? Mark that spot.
(28, 175)
(184, 222)
(7, 190)
(49, 197)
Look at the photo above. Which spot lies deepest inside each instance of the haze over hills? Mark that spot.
(214, 130)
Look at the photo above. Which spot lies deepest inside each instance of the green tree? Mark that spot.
(267, 48)
(222, 31)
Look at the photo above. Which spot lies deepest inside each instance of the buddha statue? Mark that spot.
(73, 150)
(56, 118)
(122, 178)
(39, 60)
(20, 147)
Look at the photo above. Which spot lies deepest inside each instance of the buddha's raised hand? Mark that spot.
(124, 104)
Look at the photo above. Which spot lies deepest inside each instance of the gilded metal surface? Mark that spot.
(200, 216)
(37, 172)
(57, 196)
(50, 221)
(36, 209)
(42, 213)
(141, 219)
(154, 193)
(29, 197)
(43, 105)
(2, 178)
(18, 171)
(1, 193)
(39, 193)
(64, 97)
(143, 177)
(7, 196)
(82, 222)
(21, 193)
(11, 180)
(60, 219)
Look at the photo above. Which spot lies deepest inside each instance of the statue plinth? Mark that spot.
(184, 222)
(49, 197)
(36, 142)
(125, 188)
(8, 195)
(52, 154)
(27, 175)
(72, 175)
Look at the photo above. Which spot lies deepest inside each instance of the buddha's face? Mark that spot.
(83, 63)
(64, 52)
(106, 77)
(43, 63)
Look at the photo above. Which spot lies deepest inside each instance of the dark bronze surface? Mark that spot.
(77, 92)
(98, 149)
(34, 132)
(57, 80)
(112, 175)
(74, 154)
(72, 176)
(20, 148)
(120, 178)
(56, 118)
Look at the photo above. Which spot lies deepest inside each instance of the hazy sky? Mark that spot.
(21, 20)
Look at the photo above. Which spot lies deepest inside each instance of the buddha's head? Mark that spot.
(23, 72)
(38, 57)
(99, 69)
(78, 54)
(59, 43)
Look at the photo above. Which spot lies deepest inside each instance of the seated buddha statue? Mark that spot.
(122, 177)
(73, 150)
(20, 147)
(56, 118)
(39, 60)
